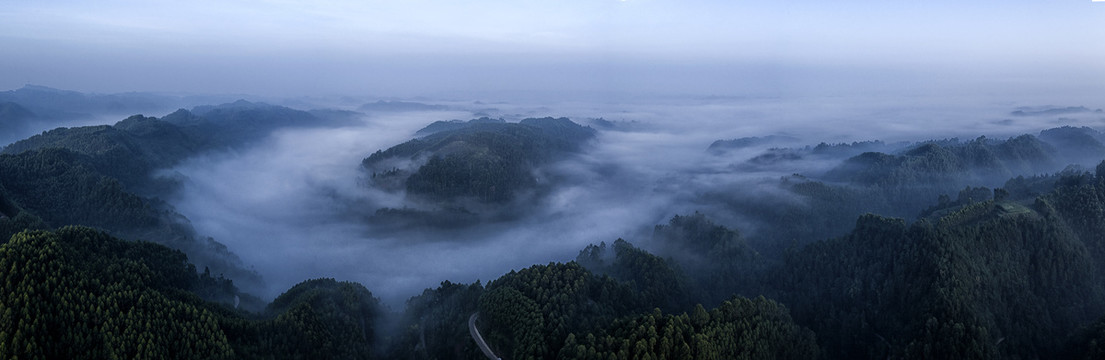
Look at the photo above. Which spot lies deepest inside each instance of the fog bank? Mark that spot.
(293, 207)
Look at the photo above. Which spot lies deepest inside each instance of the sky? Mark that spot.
(455, 48)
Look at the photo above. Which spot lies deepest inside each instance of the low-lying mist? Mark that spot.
(294, 206)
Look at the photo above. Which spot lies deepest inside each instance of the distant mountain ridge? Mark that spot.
(396, 106)
(1053, 111)
(56, 103)
(42, 108)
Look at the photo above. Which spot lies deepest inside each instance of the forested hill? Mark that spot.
(128, 151)
(241, 122)
(979, 161)
(992, 279)
(54, 187)
(78, 293)
(491, 162)
(902, 180)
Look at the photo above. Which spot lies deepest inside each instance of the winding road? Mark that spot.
(479, 339)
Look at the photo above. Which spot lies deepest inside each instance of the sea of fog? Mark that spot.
(293, 206)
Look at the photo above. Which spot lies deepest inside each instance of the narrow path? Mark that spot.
(479, 339)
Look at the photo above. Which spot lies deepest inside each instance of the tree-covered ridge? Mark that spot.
(53, 188)
(988, 280)
(319, 319)
(656, 281)
(80, 293)
(63, 188)
(985, 277)
(434, 325)
(30, 110)
(95, 140)
(970, 162)
(488, 161)
(740, 328)
(1078, 199)
(802, 208)
(1081, 145)
(529, 313)
(950, 161)
(823, 149)
(1007, 272)
(14, 219)
(129, 151)
(562, 311)
(719, 260)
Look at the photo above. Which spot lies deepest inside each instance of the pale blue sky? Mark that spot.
(412, 47)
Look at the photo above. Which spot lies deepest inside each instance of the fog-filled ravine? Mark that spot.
(294, 204)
